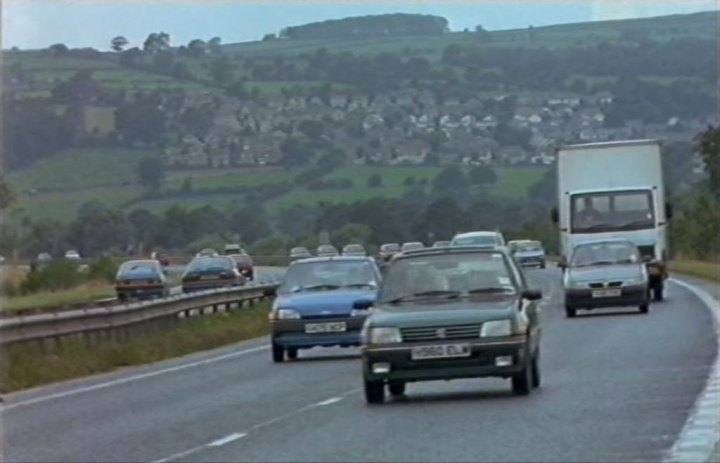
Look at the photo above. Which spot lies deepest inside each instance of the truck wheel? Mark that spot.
(374, 392)
(570, 312)
(278, 353)
(397, 388)
(658, 292)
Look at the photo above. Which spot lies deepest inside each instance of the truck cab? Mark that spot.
(615, 190)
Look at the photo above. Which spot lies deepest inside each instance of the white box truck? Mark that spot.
(614, 190)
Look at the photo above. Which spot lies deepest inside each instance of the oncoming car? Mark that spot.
(322, 302)
(245, 265)
(299, 253)
(449, 313)
(141, 279)
(211, 272)
(327, 250)
(354, 250)
(412, 246)
(605, 273)
(528, 253)
(479, 238)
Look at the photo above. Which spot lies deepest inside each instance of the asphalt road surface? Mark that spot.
(616, 387)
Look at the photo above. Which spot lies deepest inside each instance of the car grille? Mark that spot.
(610, 284)
(432, 333)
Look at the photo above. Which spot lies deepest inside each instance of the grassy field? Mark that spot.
(224, 178)
(706, 270)
(84, 293)
(63, 206)
(27, 366)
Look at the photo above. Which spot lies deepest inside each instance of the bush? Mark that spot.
(103, 268)
(54, 276)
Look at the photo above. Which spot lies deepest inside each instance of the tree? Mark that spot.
(59, 49)
(214, 44)
(482, 175)
(409, 181)
(222, 70)
(97, 228)
(157, 41)
(708, 143)
(151, 173)
(118, 43)
(197, 48)
(350, 234)
(7, 195)
(375, 181)
(450, 181)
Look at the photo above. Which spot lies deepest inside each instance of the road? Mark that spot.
(616, 387)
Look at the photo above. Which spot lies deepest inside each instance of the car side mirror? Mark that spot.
(270, 292)
(363, 304)
(532, 294)
(555, 215)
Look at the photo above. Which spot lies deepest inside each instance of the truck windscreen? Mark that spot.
(612, 211)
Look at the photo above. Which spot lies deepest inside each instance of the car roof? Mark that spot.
(356, 245)
(334, 259)
(453, 250)
(477, 233)
(139, 261)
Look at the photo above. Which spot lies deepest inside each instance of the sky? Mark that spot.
(31, 24)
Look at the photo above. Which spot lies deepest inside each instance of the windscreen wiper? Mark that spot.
(360, 285)
(434, 293)
(316, 287)
(492, 290)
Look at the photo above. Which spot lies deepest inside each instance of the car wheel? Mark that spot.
(536, 377)
(542, 265)
(374, 392)
(644, 308)
(397, 388)
(570, 311)
(292, 353)
(658, 293)
(278, 353)
(522, 382)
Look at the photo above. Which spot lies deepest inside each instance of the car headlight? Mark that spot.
(384, 335)
(496, 328)
(287, 314)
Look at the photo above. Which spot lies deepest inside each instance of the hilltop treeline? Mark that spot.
(398, 24)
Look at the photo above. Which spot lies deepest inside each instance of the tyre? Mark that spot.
(570, 312)
(278, 353)
(522, 382)
(397, 388)
(292, 353)
(644, 308)
(536, 377)
(657, 292)
(542, 265)
(374, 392)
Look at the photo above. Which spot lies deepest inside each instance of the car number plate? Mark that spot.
(606, 293)
(334, 327)
(441, 351)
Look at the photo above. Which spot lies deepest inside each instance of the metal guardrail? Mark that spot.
(39, 327)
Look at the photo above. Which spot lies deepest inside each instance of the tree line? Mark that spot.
(399, 24)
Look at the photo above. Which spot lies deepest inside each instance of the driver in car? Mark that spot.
(588, 216)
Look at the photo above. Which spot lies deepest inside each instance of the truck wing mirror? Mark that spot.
(555, 215)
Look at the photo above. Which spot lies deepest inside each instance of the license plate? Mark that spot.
(334, 327)
(607, 293)
(441, 351)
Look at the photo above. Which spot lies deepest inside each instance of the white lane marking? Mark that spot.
(700, 435)
(263, 424)
(328, 401)
(227, 439)
(129, 379)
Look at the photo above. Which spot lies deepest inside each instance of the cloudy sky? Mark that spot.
(81, 23)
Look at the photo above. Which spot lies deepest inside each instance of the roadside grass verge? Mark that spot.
(29, 366)
(706, 270)
(87, 292)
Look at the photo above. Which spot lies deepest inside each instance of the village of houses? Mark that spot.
(250, 133)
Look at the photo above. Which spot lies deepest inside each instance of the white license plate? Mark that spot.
(606, 293)
(441, 351)
(334, 327)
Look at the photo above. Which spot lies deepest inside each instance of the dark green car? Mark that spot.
(450, 313)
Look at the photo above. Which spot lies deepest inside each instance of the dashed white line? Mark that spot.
(128, 379)
(329, 401)
(227, 439)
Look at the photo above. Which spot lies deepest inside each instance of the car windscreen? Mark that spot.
(527, 247)
(210, 264)
(612, 211)
(330, 275)
(447, 276)
(480, 240)
(138, 270)
(604, 253)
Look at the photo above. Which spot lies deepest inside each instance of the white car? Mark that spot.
(72, 255)
(479, 238)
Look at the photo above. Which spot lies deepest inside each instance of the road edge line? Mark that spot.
(701, 433)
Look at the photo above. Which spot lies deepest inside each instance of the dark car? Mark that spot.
(299, 253)
(449, 313)
(322, 302)
(528, 253)
(354, 250)
(141, 279)
(211, 272)
(388, 250)
(327, 250)
(605, 273)
(245, 265)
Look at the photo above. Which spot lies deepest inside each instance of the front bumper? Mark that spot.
(530, 261)
(291, 333)
(582, 298)
(481, 362)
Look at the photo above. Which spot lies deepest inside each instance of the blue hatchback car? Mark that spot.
(322, 302)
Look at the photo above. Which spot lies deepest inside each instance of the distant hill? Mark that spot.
(386, 25)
